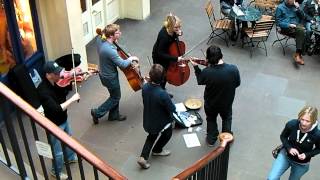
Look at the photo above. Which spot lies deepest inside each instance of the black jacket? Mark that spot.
(221, 82)
(157, 108)
(51, 97)
(160, 51)
(310, 146)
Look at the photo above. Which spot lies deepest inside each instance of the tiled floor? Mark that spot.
(272, 91)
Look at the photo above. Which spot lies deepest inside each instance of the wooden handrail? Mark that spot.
(225, 138)
(60, 134)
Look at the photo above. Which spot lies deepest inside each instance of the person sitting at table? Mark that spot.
(289, 17)
(311, 11)
(226, 6)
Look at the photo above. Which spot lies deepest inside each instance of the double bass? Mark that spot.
(179, 72)
(132, 72)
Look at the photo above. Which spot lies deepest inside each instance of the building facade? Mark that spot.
(34, 31)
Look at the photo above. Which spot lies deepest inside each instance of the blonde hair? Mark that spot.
(108, 31)
(171, 21)
(311, 111)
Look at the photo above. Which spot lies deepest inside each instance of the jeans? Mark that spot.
(151, 138)
(282, 163)
(112, 103)
(212, 127)
(308, 34)
(58, 152)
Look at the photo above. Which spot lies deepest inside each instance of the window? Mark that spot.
(7, 60)
(25, 24)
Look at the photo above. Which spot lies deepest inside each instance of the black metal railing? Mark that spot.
(24, 126)
(213, 166)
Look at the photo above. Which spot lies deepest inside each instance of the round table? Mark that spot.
(250, 14)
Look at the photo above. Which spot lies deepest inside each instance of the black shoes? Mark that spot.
(94, 118)
(211, 142)
(120, 118)
(171, 96)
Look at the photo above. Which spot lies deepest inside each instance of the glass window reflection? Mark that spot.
(7, 60)
(24, 20)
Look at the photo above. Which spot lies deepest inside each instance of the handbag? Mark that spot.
(276, 151)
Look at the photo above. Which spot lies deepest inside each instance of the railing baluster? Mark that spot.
(54, 160)
(66, 160)
(213, 166)
(95, 172)
(14, 141)
(36, 138)
(4, 148)
(81, 167)
(26, 144)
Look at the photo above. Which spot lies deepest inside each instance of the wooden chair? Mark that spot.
(266, 6)
(219, 27)
(258, 34)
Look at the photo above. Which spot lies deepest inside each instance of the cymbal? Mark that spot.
(193, 103)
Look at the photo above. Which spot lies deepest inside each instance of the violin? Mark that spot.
(67, 77)
(132, 72)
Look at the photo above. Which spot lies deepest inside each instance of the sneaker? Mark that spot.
(62, 175)
(120, 118)
(164, 152)
(143, 163)
(94, 118)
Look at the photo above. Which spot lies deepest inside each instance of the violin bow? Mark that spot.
(74, 71)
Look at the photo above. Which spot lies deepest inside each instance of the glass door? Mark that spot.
(93, 17)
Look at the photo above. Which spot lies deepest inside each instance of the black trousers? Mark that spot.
(151, 138)
(212, 126)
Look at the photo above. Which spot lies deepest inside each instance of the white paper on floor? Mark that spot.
(180, 107)
(191, 140)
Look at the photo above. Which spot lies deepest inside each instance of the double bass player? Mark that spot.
(109, 60)
(168, 34)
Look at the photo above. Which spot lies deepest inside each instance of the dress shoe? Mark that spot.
(298, 59)
(171, 95)
(211, 142)
(120, 118)
(301, 60)
(94, 118)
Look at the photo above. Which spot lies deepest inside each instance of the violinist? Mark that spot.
(220, 80)
(109, 60)
(54, 102)
(167, 35)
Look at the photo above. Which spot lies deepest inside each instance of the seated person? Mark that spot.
(311, 11)
(290, 19)
(226, 6)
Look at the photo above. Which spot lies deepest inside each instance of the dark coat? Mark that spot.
(157, 108)
(160, 51)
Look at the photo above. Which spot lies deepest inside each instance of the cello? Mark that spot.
(132, 72)
(179, 72)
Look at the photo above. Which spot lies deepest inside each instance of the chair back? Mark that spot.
(210, 11)
(263, 26)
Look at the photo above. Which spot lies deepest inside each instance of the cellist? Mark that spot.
(109, 60)
(168, 34)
